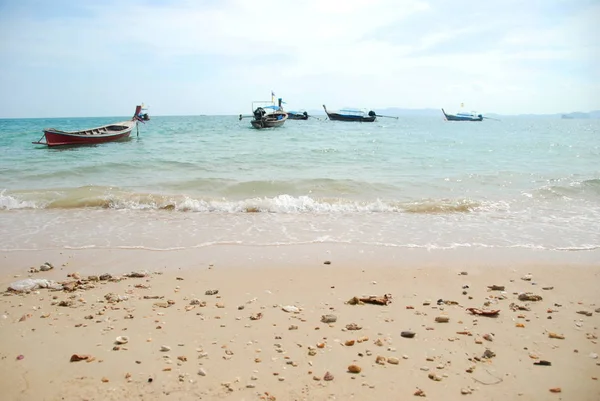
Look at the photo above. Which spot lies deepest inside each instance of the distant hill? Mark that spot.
(579, 114)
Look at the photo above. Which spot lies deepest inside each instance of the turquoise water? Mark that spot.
(200, 180)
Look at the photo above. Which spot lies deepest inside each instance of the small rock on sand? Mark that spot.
(329, 318)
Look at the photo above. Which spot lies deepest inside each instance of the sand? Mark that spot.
(247, 347)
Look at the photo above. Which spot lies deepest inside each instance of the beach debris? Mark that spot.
(105, 277)
(496, 287)
(528, 296)
(328, 377)
(353, 326)
(466, 391)
(442, 319)
(584, 312)
(481, 312)
(20, 357)
(527, 277)
(488, 337)
(112, 298)
(327, 262)
(67, 303)
(419, 393)
(542, 362)
(380, 360)
(354, 369)
(407, 334)
(46, 266)
(138, 274)
(375, 300)
(556, 335)
(211, 292)
(31, 284)
(515, 307)
(122, 340)
(290, 309)
(198, 302)
(81, 357)
(349, 343)
(293, 327)
(393, 360)
(548, 288)
(593, 355)
(488, 354)
(25, 317)
(165, 348)
(328, 318)
(556, 390)
(435, 377)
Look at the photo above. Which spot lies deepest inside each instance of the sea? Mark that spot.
(419, 182)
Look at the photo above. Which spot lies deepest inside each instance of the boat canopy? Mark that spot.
(352, 112)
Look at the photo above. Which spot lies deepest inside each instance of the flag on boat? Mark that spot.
(272, 96)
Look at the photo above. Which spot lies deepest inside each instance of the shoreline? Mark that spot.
(287, 256)
(217, 351)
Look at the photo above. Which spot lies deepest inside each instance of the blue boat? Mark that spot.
(359, 115)
(297, 115)
(472, 116)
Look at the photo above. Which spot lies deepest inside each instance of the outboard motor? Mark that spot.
(372, 114)
(259, 113)
(305, 114)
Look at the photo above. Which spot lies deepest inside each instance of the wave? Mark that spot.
(119, 199)
(586, 189)
(427, 246)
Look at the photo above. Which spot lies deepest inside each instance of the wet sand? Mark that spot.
(241, 344)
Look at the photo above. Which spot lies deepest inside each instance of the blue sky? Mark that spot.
(101, 58)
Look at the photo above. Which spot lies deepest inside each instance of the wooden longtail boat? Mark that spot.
(106, 133)
(351, 115)
(472, 116)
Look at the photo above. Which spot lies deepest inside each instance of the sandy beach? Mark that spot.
(285, 327)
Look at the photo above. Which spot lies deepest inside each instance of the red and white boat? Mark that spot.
(105, 133)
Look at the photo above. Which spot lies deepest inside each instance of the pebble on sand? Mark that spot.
(354, 369)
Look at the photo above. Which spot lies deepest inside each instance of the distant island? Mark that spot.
(579, 114)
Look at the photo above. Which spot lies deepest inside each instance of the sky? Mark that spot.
(81, 58)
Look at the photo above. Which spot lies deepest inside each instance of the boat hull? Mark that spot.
(266, 124)
(297, 116)
(341, 117)
(453, 117)
(61, 139)
(272, 120)
(350, 117)
(91, 136)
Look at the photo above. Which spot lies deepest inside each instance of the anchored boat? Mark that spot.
(106, 133)
(267, 115)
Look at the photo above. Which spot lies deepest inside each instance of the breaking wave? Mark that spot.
(110, 198)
